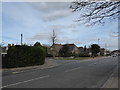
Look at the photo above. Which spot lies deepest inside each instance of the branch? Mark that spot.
(89, 11)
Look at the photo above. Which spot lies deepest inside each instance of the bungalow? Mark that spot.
(102, 51)
(54, 49)
(72, 48)
(81, 50)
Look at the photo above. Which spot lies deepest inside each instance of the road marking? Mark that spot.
(25, 81)
(92, 64)
(16, 72)
(73, 69)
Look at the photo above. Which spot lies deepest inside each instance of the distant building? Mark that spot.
(81, 50)
(54, 49)
(102, 51)
(5, 48)
(116, 52)
(88, 51)
(72, 48)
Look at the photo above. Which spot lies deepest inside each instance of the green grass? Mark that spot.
(77, 58)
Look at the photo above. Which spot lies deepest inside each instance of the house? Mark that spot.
(72, 48)
(115, 52)
(88, 51)
(102, 51)
(4, 49)
(81, 50)
(54, 49)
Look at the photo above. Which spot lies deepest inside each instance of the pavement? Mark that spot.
(49, 63)
(112, 82)
(95, 73)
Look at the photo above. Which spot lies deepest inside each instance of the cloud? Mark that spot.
(48, 7)
(59, 27)
(41, 36)
(52, 10)
(115, 35)
(56, 15)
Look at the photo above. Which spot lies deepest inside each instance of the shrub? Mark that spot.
(20, 56)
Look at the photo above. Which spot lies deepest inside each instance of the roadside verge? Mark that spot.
(112, 82)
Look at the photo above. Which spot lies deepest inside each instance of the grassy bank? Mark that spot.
(76, 58)
(69, 58)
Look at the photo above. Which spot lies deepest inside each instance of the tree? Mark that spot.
(96, 12)
(53, 43)
(95, 48)
(85, 48)
(53, 38)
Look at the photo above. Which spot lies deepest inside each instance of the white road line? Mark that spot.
(27, 70)
(72, 69)
(92, 64)
(72, 63)
(25, 81)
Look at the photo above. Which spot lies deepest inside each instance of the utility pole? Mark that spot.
(53, 37)
(21, 38)
(98, 41)
(106, 48)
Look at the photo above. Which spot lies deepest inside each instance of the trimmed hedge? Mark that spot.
(21, 56)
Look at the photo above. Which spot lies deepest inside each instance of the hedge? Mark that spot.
(21, 56)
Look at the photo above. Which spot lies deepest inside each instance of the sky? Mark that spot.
(37, 20)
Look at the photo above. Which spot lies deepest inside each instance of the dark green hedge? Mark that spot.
(22, 55)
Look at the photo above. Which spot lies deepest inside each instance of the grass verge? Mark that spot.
(76, 58)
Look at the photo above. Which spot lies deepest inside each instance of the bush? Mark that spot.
(21, 56)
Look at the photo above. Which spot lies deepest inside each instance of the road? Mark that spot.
(69, 74)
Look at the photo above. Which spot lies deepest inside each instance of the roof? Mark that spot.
(102, 49)
(70, 44)
(80, 47)
(57, 45)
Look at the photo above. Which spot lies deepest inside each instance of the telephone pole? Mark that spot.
(98, 41)
(106, 48)
(53, 37)
(21, 38)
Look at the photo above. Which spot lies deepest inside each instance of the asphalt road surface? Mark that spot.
(69, 74)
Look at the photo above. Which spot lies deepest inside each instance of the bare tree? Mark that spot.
(53, 38)
(92, 13)
(53, 43)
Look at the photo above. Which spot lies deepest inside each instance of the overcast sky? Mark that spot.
(37, 20)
